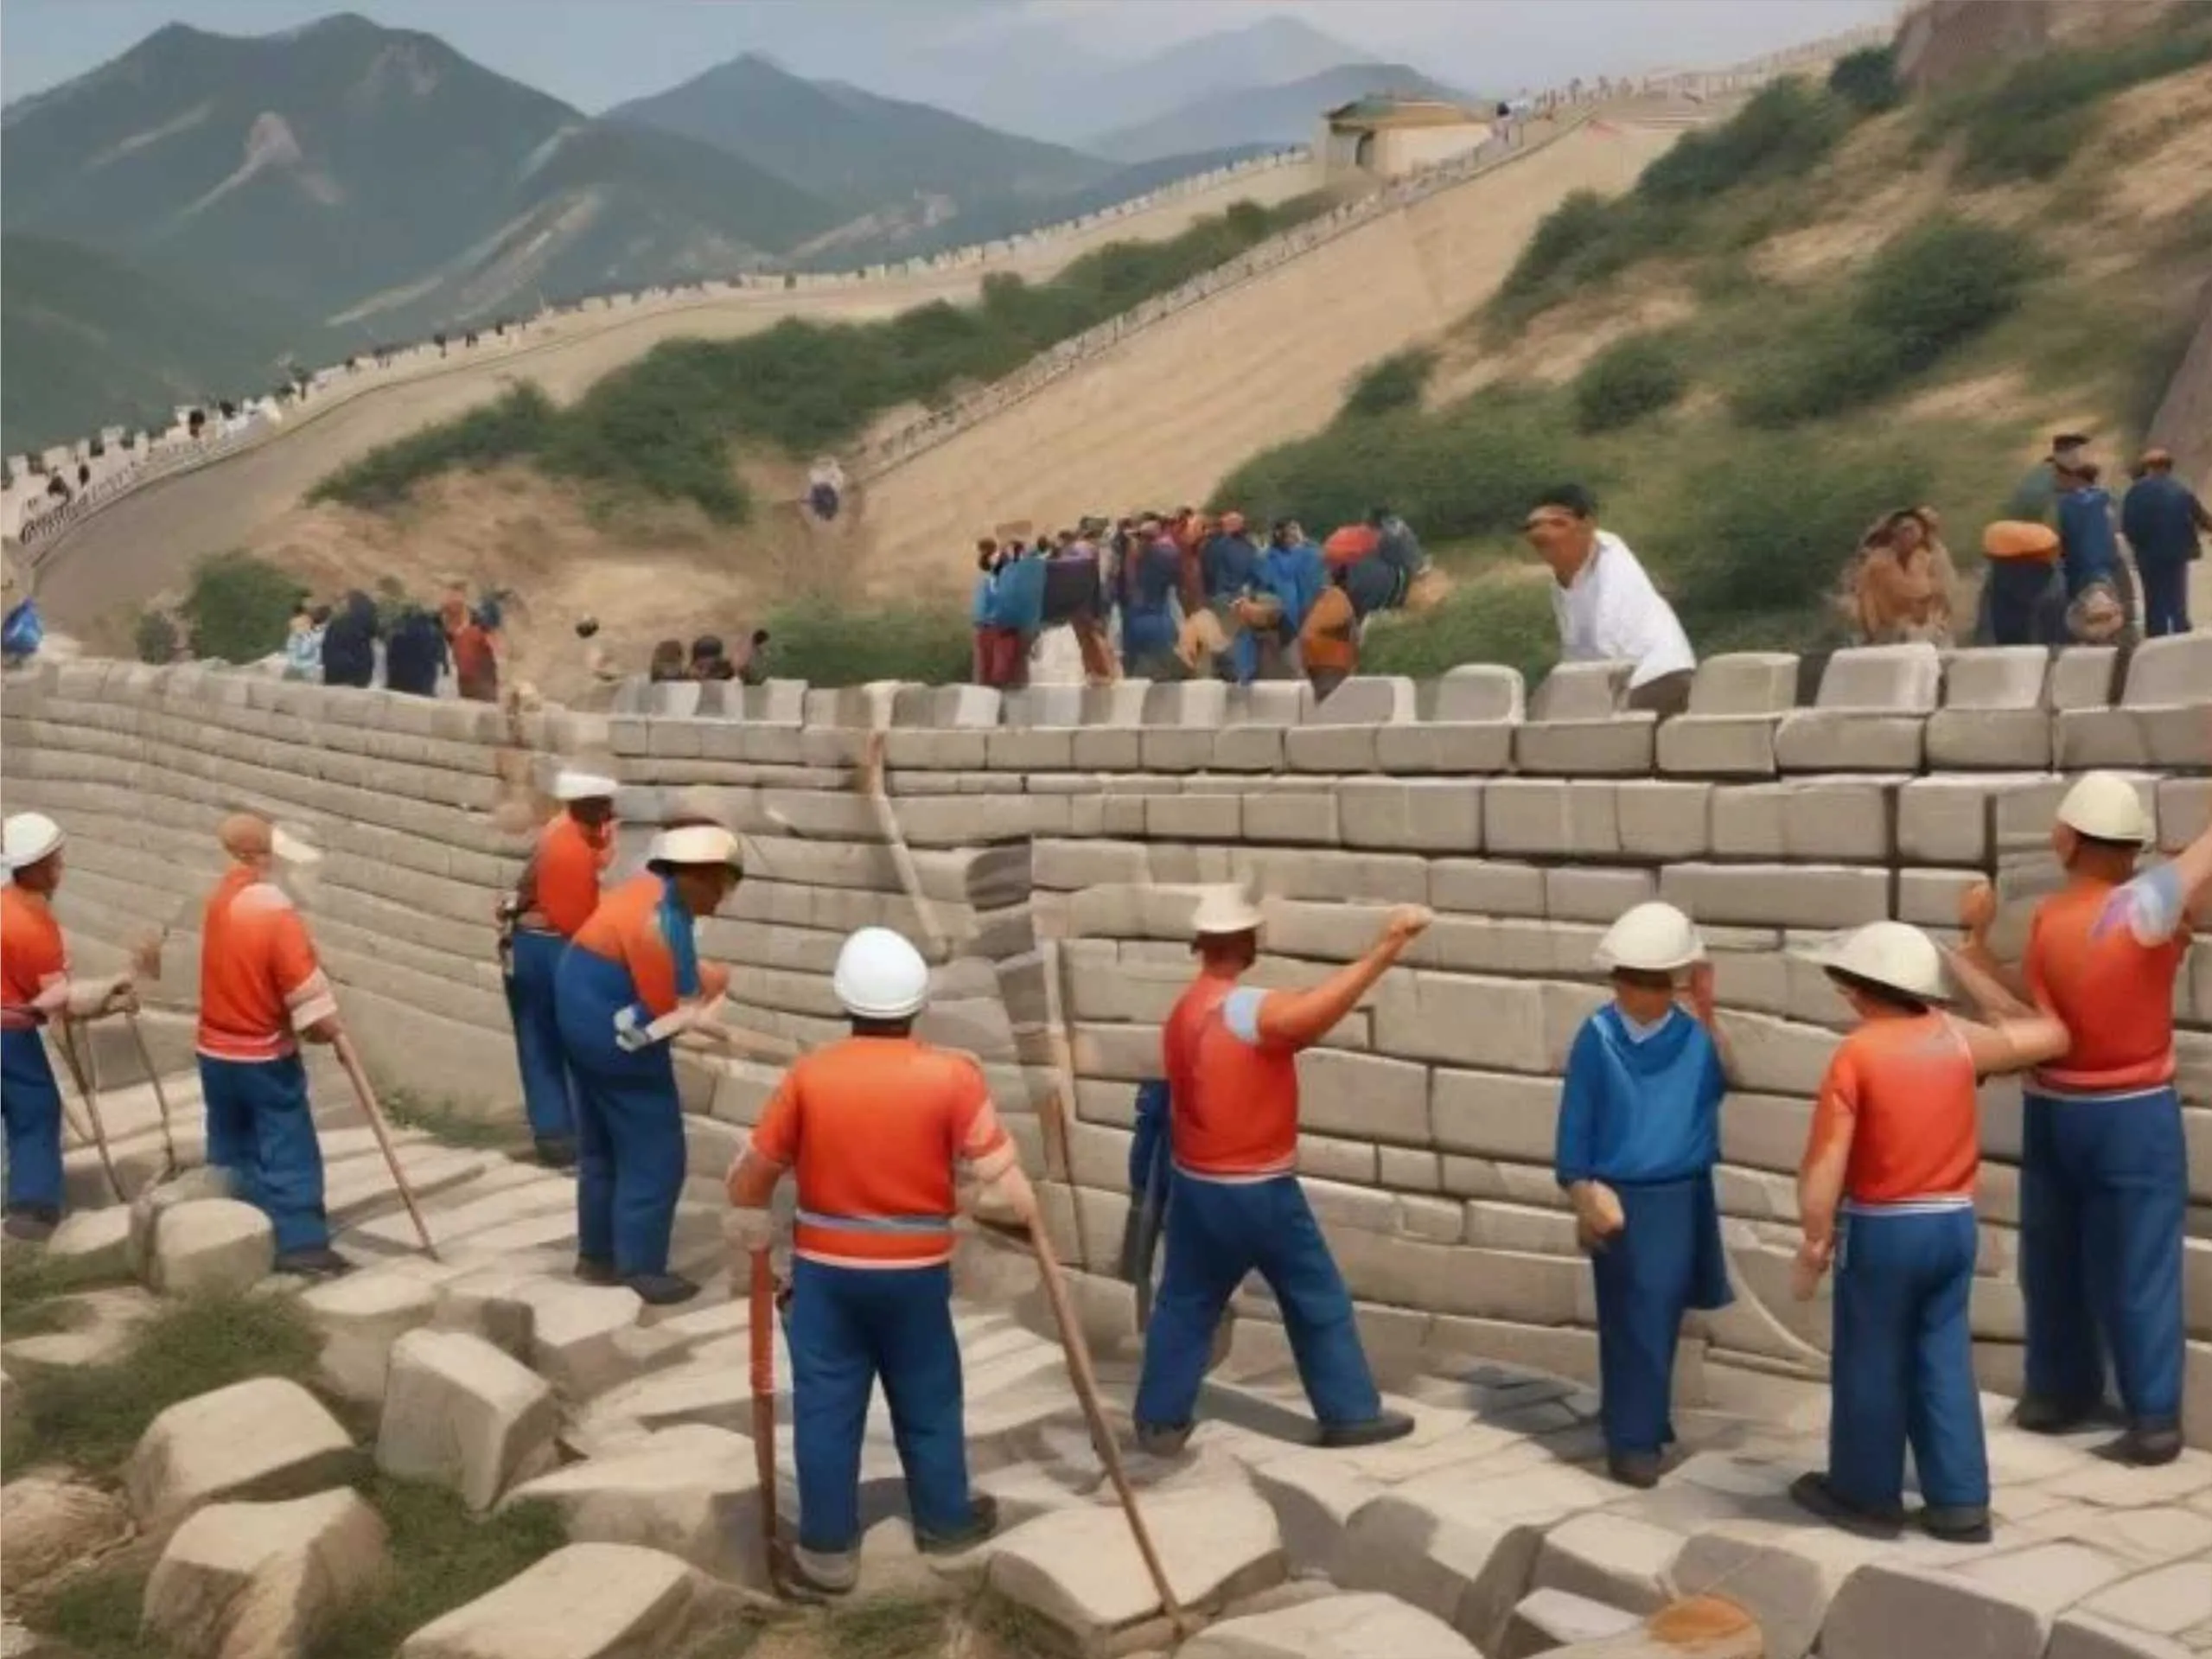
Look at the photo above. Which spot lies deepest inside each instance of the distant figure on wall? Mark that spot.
(414, 655)
(826, 488)
(349, 643)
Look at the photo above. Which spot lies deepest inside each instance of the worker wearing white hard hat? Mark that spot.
(1639, 1134)
(36, 988)
(262, 991)
(2104, 1167)
(873, 1127)
(1229, 1053)
(557, 895)
(630, 982)
(1886, 1193)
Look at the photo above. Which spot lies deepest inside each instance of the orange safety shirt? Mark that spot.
(1906, 1088)
(1330, 638)
(642, 926)
(562, 882)
(1234, 1097)
(32, 956)
(259, 981)
(2103, 957)
(873, 1125)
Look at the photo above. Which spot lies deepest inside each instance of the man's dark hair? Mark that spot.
(1889, 996)
(1574, 498)
(586, 629)
(707, 645)
(759, 636)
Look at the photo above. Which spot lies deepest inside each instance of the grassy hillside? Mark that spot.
(664, 425)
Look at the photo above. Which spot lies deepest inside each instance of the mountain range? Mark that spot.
(183, 218)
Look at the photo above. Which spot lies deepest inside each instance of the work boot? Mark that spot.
(322, 1263)
(1636, 1469)
(1813, 1493)
(31, 1223)
(1956, 1523)
(824, 1572)
(983, 1521)
(2042, 1414)
(2146, 1448)
(1375, 1431)
(1162, 1440)
(661, 1290)
(592, 1271)
(556, 1151)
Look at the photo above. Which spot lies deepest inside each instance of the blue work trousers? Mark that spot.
(30, 1101)
(1666, 1261)
(1902, 1369)
(849, 1327)
(548, 1091)
(261, 1134)
(2104, 1198)
(2166, 595)
(1217, 1232)
(629, 1123)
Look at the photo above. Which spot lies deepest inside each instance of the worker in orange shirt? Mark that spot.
(873, 1125)
(558, 891)
(35, 986)
(629, 983)
(2104, 1165)
(261, 991)
(1886, 1193)
(1229, 1053)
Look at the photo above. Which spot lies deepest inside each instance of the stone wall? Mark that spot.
(1056, 835)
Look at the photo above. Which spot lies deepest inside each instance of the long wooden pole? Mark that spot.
(763, 1342)
(65, 1042)
(351, 1059)
(1087, 1395)
(154, 1078)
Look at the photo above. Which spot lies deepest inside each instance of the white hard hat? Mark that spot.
(1651, 938)
(2105, 807)
(880, 975)
(571, 785)
(28, 837)
(292, 846)
(1895, 955)
(1226, 908)
(695, 844)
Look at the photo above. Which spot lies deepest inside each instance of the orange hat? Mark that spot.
(2020, 539)
(1351, 543)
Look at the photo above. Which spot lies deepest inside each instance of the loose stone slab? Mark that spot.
(211, 1247)
(94, 1240)
(360, 1317)
(1334, 1627)
(1080, 1571)
(1546, 1620)
(693, 1491)
(458, 1411)
(241, 1580)
(2000, 1604)
(586, 1601)
(266, 1438)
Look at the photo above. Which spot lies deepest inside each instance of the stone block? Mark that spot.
(584, 1601)
(1788, 895)
(1250, 748)
(1270, 703)
(1367, 700)
(1574, 893)
(1613, 745)
(1989, 739)
(1580, 691)
(1949, 821)
(2084, 1636)
(1744, 683)
(693, 1491)
(1548, 1621)
(358, 1319)
(1610, 1559)
(1031, 749)
(1363, 1096)
(1443, 816)
(939, 707)
(1194, 817)
(244, 1580)
(1108, 749)
(1930, 898)
(460, 1411)
(1475, 694)
(1785, 1573)
(2169, 1600)
(1203, 704)
(1997, 1603)
(2083, 677)
(1446, 1556)
(1717, 746)
(1884, 678)
(1482, 887)
(93, 1242)
(1457, 747)
(266, 1438)
(1551, 818)
(1838, 821)
(1333, 1627)
(1662, 822)
(1491, 1025)
(1495, 1114)
(211, 1247)
(1339, 748)
(1850, 740)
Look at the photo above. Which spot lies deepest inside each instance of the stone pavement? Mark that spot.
(1490, 1531)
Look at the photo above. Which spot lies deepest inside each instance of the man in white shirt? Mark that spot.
(1606, 607)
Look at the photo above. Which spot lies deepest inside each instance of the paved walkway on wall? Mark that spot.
(1493, 1519)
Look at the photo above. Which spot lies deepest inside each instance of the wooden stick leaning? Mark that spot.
(1086, 1396)
(65, 1040)
(154, 1078)
(351, 1060)
(762, 1342)
(77, 1126)
(887, 825)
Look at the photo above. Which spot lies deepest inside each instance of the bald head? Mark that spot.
(246, 837)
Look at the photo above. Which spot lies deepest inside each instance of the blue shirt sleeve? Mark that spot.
(1582, 1102)
(683, 948)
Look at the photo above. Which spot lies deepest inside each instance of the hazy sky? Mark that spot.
(595, 53)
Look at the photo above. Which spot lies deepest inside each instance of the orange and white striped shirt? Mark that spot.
(259, 981)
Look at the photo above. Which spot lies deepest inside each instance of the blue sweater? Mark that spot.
(2159, 517)
(1021, 593)
(2088, 550)
(1640, 1111)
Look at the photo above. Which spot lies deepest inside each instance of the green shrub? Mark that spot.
(1563, 236)
(662, 426)
(1630, 378)
(238, 607)
(827, 642)
(1393, 382)
(155, 636)
(1867, 79)
(1786, 130)
(1509, 622)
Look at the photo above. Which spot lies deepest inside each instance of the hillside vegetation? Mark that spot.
(663, 427)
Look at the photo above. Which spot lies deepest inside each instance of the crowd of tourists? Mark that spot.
(404, 646)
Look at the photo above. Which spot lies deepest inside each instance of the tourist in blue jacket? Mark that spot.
(2162, 518)
(1638, 1133)
(1289, 577)
(1149, 621)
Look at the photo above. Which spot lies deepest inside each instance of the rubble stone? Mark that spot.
(264, 1439)
(1998, 1603)
(212, 1245)
(458, 1411)
(94, 1241)
(249, 1580)
(586, 1601)
(693, 1491)
(1334, 1627)
(360, 1318)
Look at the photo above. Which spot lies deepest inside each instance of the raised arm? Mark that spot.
(1977, 914)
(1298, 1020)
(1706, 1006)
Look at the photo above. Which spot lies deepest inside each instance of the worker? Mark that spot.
(1639, 1134)
(1229, 1052)
(629, 983)
(556, 897)
(1894, 1150)
(35, 986)
(261, 991)
(2104, 1167)
(873, 1125)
